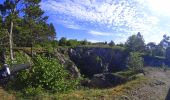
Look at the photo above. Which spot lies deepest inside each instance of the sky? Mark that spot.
(106, 20)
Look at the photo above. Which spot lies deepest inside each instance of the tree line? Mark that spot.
(23, 24)
(134, 43)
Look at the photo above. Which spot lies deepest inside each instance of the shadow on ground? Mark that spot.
(168, 95)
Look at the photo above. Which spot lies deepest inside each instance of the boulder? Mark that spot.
(105, 80)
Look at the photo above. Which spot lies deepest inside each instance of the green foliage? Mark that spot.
(98, 59)
(135, 43)
(46, 74)
(125, 74)
(135, 62)
(111, 43)
(84, 42)
(62, 41)
(72, 43)
(32, 91)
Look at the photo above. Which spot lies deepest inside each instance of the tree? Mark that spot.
(111, 43)
(165, 41)
(62, 41)
(159, 51)
(155, 50)
(84, 42)
(151, 46)
(9, 12)
(72, 42)
(135, 62)
(39, 30)
(135, 43)
(3, 36)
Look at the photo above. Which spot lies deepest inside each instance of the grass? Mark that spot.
(110, 93)
(125, 74)
(6, 96)
(117, 92)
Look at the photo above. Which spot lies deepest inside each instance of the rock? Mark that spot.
(124, 97)
(136, 76)
(85, 82)
(68, 64)
(157, 82)
(95, 60)
(105, 80)
(72, 68)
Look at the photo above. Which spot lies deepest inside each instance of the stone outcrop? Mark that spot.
(62, 56)
(95, 60)
(105, 80)
(155, 61)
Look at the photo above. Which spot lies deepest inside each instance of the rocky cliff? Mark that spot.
(95, 60)
(89, 61)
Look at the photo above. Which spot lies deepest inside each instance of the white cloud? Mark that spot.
(94, 41)
(69, 24)
(100, 33)
(105, 12)
(123, 17)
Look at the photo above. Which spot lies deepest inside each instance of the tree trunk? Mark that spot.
(11, 42)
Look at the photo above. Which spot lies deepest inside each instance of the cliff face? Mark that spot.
(63, 58)
(95, 60)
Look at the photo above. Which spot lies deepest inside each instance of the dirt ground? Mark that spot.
(157, 87)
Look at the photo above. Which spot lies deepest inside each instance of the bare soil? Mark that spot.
(156, 88)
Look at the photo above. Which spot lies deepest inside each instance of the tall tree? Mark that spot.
(111, 43)
(9, 12)
(135, 43)
(38, 28)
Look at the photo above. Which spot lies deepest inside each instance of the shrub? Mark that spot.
(49, 74)
(135, 62)
(45, 74)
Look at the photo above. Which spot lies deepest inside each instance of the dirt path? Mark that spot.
(156, 88)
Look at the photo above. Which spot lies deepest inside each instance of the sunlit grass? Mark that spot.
(110, 93)
(87, 94)
(6, 96)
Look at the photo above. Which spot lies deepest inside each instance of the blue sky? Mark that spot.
(106, 20)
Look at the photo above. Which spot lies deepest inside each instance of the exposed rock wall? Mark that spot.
(95, 60)
(62, 56)
(155, 61)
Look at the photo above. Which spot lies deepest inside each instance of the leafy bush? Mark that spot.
(45, 74)
(135, 62)
(98, 59)
(49, 74)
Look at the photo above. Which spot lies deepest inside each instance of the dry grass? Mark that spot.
(117, 93)
(103, 94)
(6, 96)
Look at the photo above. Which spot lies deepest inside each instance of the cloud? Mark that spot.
(122, 17)
(107, 12)
(94, 41)
(69, 24)
(97, 33)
